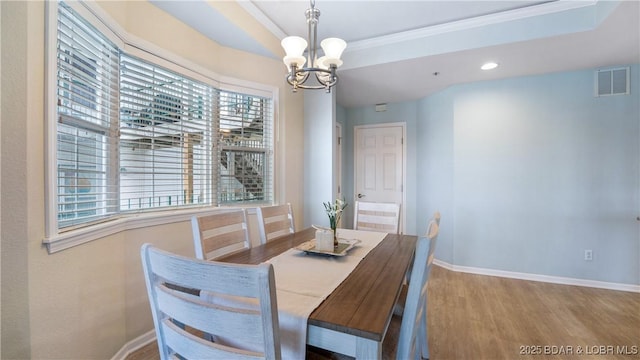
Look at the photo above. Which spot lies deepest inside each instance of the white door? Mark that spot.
(379, 164)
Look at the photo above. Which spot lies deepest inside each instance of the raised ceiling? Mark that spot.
(395, 48)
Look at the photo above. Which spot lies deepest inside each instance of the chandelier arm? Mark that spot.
(311, 87)
(303, 76)
(327, 81)
(314, 70)
(297, 78)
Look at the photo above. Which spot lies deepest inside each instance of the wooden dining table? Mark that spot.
(354, 318)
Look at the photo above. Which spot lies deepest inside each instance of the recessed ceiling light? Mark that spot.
(489, 66)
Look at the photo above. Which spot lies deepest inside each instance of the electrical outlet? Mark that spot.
(588, 255)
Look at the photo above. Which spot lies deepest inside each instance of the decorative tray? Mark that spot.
(344, 245)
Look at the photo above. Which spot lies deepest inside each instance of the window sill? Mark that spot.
(69, 239)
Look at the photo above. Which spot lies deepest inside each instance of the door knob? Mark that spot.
(360, 196)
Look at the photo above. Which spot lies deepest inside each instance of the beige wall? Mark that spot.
(0, 180)
(15, 182)
(88, 301)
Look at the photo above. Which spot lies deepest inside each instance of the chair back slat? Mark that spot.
(224, 240)
(211, 318)
(199, 275)
(382, 217)
(412, 341)
(243, 325)
(277, 226)
(220, 234)
(274, 221)
(192, 347)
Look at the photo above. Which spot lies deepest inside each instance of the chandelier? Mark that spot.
(323, 68)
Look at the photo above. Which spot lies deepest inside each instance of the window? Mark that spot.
(133, 136)
(244, 148)
(87, 80)
(165, 138)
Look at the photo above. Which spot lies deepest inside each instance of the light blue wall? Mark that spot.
(405, 112)
(319, 155)
(544, 170)
(527, 173)
(435, 167)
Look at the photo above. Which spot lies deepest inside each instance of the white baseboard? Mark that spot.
(541, 278)
(134, 345)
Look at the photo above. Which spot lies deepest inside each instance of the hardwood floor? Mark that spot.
(484, 317)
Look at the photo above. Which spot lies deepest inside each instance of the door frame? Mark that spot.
(339, 160)
(403, 125)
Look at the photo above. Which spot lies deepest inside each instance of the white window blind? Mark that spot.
(244, 148)
(87, 96)
(133, 136)
(165, 138)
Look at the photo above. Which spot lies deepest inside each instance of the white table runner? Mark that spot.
(303, 281)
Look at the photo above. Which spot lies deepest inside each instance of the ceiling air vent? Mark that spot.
(612, 82)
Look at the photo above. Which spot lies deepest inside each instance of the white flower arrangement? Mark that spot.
(334, 211)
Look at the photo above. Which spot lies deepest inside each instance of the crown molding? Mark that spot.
(472, 23)
(254, 11)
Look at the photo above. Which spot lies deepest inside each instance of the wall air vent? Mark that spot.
(612, 82)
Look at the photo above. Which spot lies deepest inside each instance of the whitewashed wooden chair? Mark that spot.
(399, 309)
(383, 217)
(238, 332)
(274, 221)
(413, 339)
(436, 218)
(220, 234)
